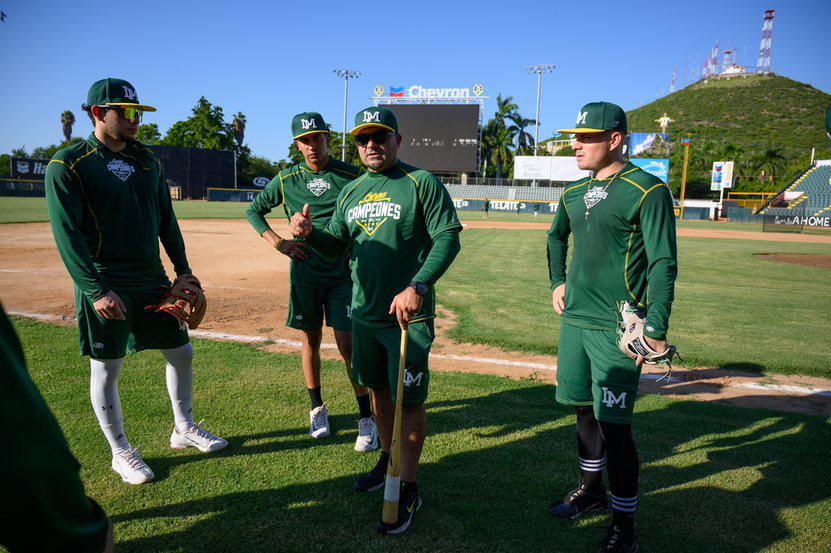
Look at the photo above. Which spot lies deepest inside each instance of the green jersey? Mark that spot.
(46, 507)
(401, 226)
(108, 212)
(294, 187)
(624, 249)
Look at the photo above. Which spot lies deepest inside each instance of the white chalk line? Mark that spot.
(797, 390)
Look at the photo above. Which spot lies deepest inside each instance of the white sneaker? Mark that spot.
(319, 422)
(197, 437)
(367, 436)
(129, 466)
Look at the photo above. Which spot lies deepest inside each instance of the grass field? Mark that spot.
(733, 308)
(33, 210)
(713, 478)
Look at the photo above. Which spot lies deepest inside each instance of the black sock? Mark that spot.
(623, 468)
(409, 487)
(383, 461)
(314, 394)
(363, 406)
(590, 449)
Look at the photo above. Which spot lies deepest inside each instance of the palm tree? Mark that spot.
(67, 120)
(517, 130)
(497, 145)
(238, 125)
(771, 161)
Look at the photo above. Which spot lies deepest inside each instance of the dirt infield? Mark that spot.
(242, 274)
(805, 260)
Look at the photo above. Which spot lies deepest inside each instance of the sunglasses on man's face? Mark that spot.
(130, 114)
(379, 137)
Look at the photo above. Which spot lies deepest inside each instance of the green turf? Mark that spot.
(713, 478)
(733, 308)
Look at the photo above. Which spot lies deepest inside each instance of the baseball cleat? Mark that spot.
(367, 439)
(407, 506)
(619, 540)
(374, 479)
(197, 437)
(129, 466)
(319, 422)
(580, 502)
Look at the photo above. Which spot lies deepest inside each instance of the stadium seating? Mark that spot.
(815, 183)
(521, 193)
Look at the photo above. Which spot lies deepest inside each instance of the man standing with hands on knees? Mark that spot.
(403, 231)
(624, 263)
(318, 285)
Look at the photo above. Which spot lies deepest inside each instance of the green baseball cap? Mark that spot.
(382, 118)
(599, 117)
(308, 122)
(115, 92)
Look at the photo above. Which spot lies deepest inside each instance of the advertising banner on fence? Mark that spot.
(657, 167)
(556, 168)
(28, 168)
(722, 175)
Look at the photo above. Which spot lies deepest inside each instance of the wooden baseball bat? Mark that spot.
(392, 486)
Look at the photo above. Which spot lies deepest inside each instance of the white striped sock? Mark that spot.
(624, 504)
(592, 465)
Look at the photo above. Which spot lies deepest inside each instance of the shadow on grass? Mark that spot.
(713, 479)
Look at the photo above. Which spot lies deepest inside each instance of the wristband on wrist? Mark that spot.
(278, 244)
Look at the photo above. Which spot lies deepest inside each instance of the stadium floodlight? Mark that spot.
(539, 70)
(345, 74)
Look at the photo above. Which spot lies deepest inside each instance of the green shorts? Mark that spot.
(111, 339)
(308, 304)
(591, 370)
(375, 358)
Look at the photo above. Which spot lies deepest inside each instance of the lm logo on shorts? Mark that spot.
(299, 317)
(98, 345)
(410, 380)
(308, 124)
(121, 169)
(610, 399)
(370, 117)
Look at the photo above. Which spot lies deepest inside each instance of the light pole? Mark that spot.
(346, 74)
(539, 70)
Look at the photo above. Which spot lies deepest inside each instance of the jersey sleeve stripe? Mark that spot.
(84, 193)
(633, 183)
(647, 192)
(82, 157)
(626, 266)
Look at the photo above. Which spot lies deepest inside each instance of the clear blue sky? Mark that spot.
(271, 60)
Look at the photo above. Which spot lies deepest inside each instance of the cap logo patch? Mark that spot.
(318, 186)
(370, 117)
(581, 117)
(129, 93)
(121, 169)
(308, 124)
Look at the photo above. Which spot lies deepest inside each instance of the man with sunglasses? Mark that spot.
(109, 207)
(401, 227)
(624, 251)
(318, 284)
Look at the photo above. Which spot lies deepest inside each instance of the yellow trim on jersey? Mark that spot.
(646, 193)
(626, 266)
(86, 197)
(412, 178)
(359, 181)
(74, 163)
(68, 167)
(566, 191)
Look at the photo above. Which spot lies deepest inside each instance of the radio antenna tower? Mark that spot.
(672, 87)
(764, 47)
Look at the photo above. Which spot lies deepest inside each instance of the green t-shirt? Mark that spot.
(294, 187)
(392, 220)
(45, 507)
(624, 249)
(108, 212)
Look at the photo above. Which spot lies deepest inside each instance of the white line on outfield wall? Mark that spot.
(798, 390)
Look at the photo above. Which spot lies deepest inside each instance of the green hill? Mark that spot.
(761, 122)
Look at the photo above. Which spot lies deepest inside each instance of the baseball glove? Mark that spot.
(185, 300)
(631, 338)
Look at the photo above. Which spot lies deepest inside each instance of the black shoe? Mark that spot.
(581, 502)
(619, 540)
(408, 504)
(374, 479)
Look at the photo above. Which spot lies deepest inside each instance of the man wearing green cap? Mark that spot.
(624, 251)
(318, 285)
(401, 227)
(109, 207)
